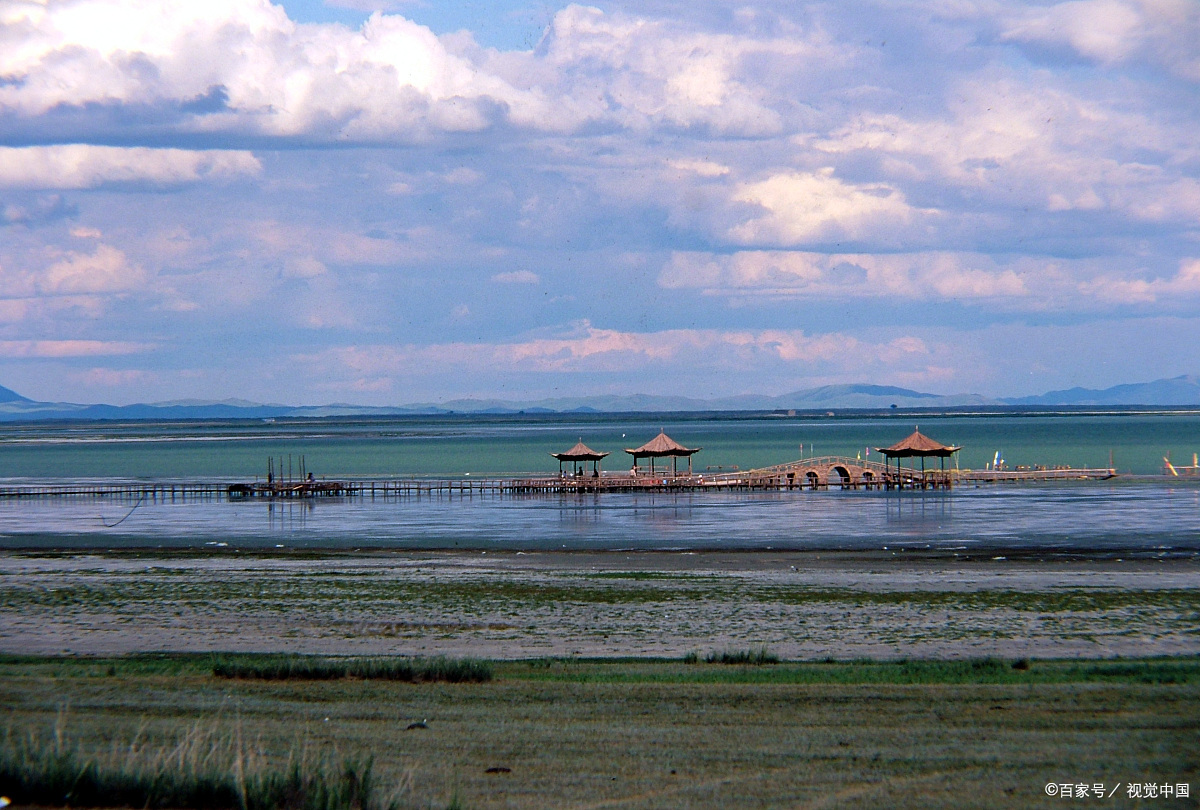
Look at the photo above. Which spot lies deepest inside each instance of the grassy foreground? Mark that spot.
(632, 733)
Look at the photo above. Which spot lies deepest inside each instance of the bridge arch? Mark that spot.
(843, 476)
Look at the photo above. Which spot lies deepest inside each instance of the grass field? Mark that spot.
(639, 733)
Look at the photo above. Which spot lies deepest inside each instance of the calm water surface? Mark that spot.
(1112, 517)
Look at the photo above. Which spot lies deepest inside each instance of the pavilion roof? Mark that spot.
(918, 444)
(580, 452)
(662, 445)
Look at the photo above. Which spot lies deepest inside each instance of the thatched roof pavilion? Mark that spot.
(918, 445)
(580, 452)
(662, 446)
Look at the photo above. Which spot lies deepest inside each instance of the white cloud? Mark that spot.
(243, 66)
(1124, 290)
(106, 270)
(1006, 142)
(517, 277)
(802, 207)
(640, 72)
(73, 275)
(703, 168)
(77, 166)
(1113, 31)
(1101, 29)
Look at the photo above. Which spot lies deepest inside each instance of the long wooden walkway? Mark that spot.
(825, 472)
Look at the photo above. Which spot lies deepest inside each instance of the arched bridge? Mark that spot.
(840, 472)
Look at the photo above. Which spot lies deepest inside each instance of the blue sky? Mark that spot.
(382, 204)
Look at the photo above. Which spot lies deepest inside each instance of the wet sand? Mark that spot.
(653, 604)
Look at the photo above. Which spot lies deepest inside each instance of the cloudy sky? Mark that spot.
(411, 201)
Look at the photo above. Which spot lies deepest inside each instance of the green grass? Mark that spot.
(253, 666)
(309, 668)
(631, 733)
(862, 672)
(200, 771)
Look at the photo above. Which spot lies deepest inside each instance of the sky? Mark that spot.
(383, 203)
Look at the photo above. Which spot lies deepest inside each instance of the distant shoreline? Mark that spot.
(304, 415)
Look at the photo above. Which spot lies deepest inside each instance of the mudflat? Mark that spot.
(511, 605)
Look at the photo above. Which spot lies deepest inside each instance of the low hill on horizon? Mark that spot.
(1173, 392)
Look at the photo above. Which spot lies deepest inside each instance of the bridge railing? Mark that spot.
(827, 462)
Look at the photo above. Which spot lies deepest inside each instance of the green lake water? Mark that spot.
(454, 446)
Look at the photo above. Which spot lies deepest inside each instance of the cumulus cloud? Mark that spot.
(73, 274)
(1009, 143)
(802, 207)
(106, 270)
(242, 66)
(1124, 290)
(638, 72)
(1113, 31)
(77, 166)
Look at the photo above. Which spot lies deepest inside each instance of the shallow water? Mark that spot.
(1065, 518)
(1108, 517)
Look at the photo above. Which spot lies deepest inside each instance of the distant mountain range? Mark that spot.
(1173, 392)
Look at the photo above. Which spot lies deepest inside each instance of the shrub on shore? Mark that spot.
(759, 657)
(283, 668)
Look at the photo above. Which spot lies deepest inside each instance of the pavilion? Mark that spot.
(918, 445)
(660, 446)
(580, 452)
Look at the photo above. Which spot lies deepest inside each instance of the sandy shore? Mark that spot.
(516, 605)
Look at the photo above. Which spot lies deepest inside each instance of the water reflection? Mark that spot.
(918, 512)
(287, 517)
(1085, 518)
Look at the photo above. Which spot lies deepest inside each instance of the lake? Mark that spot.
(1146, 517)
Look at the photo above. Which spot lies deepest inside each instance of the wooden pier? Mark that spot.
(821, 473)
